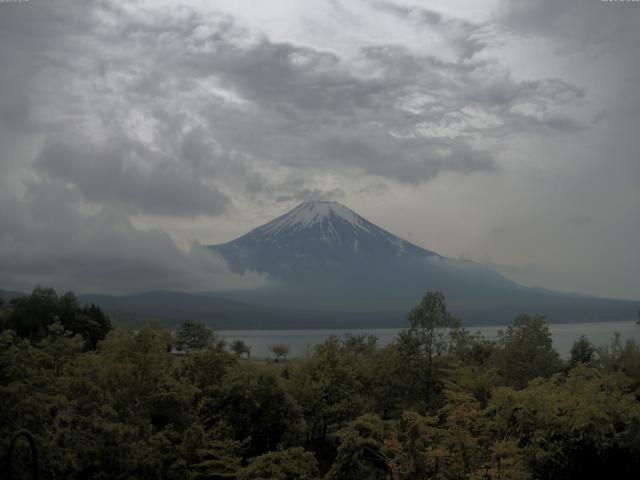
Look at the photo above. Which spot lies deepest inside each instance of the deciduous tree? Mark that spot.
(193, 335)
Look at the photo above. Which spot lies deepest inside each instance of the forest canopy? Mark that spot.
(440, 402)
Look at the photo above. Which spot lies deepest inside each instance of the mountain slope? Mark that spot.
(326, 245)
(175, 307)
(313, 238)
(322, 256)
(7, 295)
(324, 225)
(331, 268)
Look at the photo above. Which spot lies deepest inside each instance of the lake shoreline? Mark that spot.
(300, 340)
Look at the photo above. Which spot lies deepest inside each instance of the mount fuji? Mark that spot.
(319, 243)
(325, 259)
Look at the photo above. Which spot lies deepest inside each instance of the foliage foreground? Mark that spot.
(438, 403)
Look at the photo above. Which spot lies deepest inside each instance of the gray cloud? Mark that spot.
(608, 24)
(467, 38)
(216, 99)
(298, 100)
(181, 112)
(315, 194)
(114, 173)
(49, 237)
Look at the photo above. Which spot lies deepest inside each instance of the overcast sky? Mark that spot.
(502, 132)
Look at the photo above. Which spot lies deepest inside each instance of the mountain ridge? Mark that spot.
(314, 231)
(325, 214)
(332, 268)
(330, 237)
(321, 255)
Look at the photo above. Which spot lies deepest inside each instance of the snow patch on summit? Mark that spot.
(320, 231)
(308, 214)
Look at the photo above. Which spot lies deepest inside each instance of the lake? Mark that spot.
(300, 341)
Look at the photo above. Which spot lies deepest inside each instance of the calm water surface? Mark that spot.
(301, 341)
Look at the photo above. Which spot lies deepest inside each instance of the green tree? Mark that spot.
(360, 344)
(412, 364)
(525, 351)
(207, 455)
(32, 315)
(468, 348)
(5, 315)
(406, 370)
(359, 453)
(91, 323)
(193, 335)
(291, 464)
(239, 347)
(430, 319)
(582, 352)
(254, 405)
(327, 389)
(621, 356)
(280, 350)
(456, 443)
(206, 367)
(582, 425)
(412, 450)
(62, 346)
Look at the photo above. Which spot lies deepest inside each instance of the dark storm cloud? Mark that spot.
(118, 110)
(64, 210)
(49, 238)
(297, 107)
(308, 109)
(112, 173)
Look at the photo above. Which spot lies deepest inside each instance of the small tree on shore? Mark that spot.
(280, 350)
(240, 348)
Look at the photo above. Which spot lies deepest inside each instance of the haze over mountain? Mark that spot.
(503, 131)
(328, 267)
(323, 257)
